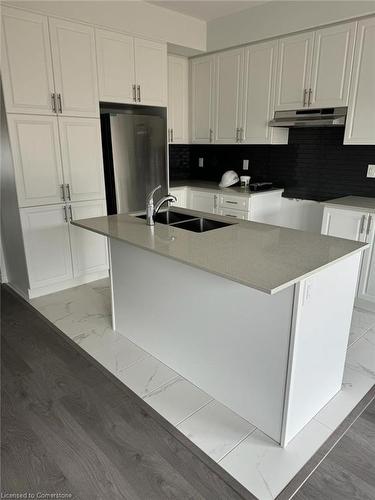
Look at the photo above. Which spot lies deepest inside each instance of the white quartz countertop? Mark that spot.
(261, 256)
(360, 203)
(214, 186)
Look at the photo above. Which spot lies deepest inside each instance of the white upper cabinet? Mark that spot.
(116, 70)
(74, 62)
(47, 244)
(293, 72)
(151, 72)
(332, 63)
(26, 63)
(259, 94)
(228, 88)
(178, 77)
(82, 158)
(360, 123)
(202, 99)
(37, 162)
(348, 224)
(89, 250)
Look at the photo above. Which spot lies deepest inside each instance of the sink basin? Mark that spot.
(201, 225)
(169, 217)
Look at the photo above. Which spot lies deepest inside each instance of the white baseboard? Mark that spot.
(18, 290)
(57, 287)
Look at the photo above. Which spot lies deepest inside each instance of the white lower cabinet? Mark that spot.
(235, 214)
(181, 195)
(366, 287)
(89, 250)
(47, 245)
(359, 226)
(57, 252)
(348, 224)
(203, 201)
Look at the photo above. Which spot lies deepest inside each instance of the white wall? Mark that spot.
(278, 18)
(136, 17)
(11, 233)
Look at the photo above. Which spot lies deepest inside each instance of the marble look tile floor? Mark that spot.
(84, 314)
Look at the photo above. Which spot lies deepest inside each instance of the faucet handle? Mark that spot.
(151, 194)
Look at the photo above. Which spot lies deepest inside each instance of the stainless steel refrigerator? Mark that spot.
(135, 156)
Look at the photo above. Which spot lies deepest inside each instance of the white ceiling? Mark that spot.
(207, 10)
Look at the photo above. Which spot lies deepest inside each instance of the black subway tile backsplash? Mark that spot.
(313, 165)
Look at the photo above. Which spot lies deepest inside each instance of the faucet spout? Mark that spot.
(152, 210)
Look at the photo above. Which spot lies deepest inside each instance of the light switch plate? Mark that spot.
(200, 162)
(371, 171)
(245, 165)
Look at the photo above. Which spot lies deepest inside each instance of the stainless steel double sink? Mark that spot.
(188, 222)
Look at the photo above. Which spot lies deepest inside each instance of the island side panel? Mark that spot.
(228, 339)
(322, 317)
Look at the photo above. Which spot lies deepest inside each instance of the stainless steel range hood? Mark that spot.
(324, 117)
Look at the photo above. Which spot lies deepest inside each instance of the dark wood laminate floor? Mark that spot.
(67, 427)
(348, 471)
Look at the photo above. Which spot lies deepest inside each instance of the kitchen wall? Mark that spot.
(276, 18)
(314, 165)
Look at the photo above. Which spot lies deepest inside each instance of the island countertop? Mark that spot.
(264, 257)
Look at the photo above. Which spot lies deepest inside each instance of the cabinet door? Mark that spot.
(27, 66)
(37, 161)
(202, 79)
(89, 250)
(151, 72)
(203, 201)
(116, 72)
(348, 224)
(360, 121)
(181, 195)
(82, 158)
(293, 71)
(332, 63)
(259, 92)
(74, 63)
(47, 246)
(178, 76)
(366, 288)
(228, 89)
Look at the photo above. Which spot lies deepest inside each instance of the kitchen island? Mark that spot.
(258, 316)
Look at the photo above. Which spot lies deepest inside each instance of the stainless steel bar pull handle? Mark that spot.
(68, 192)
(369, 224)
(59, 103)
(62, 187)
(134, 93)
(70, 213)
(138, 93)
(171, 134)
(211, 135)
(65, 213)
(362, 226)
(53, 101)
(309, 99)
(304, 97)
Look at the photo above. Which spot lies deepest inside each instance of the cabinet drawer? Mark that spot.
(235, 202)
(236, 214)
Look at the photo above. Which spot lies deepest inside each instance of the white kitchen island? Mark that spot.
(258, 316)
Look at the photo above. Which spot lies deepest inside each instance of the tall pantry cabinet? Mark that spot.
(49, 78)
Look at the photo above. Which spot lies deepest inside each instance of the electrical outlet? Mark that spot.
(371, 171)
(200, 162)
(245, 164)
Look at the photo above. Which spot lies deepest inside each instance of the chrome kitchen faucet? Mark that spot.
(151, 209)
